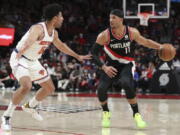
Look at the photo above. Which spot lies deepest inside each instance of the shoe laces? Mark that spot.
(7, 120)
(106, 115)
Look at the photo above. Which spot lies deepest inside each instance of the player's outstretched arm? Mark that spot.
(144, 41)
(65, 49)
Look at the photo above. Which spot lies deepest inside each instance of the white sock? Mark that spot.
(9, 112)
(33, 102)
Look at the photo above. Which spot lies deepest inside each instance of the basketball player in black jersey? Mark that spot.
(117, 44)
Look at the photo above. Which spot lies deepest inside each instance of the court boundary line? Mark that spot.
(50, 131)
(141, 96)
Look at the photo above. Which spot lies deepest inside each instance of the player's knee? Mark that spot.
(51, 88)
(125, 83)
(25, 88)
(102, 94)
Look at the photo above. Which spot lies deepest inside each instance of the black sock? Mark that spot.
(134, 108)
(105, 107)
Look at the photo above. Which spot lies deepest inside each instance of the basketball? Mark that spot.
(167, 52)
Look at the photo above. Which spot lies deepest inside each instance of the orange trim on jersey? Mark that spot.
(45, 43)
(121, 36)
(119, 56)
(42, 77)
(130, 33)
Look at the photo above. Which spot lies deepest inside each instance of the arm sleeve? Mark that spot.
(95, 52)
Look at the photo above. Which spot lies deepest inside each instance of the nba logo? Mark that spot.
(126, 37)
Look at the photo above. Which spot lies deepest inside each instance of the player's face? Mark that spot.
(59, 20)
(115, 21)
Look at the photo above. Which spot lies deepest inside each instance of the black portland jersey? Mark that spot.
(121, 48)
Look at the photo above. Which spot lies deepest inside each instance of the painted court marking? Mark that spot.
(50, 131)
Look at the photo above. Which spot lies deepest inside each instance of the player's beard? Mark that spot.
(113, 26)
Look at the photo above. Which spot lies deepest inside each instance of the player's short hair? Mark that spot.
(117, 12)
(51, 10)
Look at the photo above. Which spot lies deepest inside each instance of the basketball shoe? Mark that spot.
(33, 111)
(106, 116)
(6, 123)
(140, 123)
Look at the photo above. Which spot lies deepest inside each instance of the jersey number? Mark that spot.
(127, 50)
(41, 51)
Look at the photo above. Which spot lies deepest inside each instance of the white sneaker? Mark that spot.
(34, 113)
(6, 123)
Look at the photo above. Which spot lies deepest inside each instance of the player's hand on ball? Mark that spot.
(167, 52)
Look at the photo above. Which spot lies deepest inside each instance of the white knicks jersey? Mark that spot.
(36, 50)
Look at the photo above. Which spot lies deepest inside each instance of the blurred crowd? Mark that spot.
(83, 20)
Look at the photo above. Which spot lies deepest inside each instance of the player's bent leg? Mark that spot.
(127, 84)
(140, 123)
(106, 115)
(103, 96)
(46, 89)
(25, 87)
(18, 96)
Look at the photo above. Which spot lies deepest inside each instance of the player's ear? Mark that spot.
(121, 19)
(55, 18)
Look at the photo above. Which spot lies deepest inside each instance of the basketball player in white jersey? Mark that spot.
(26, 67)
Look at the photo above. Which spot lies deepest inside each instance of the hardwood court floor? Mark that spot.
(82, 116)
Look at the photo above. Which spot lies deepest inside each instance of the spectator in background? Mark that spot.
(177, 33)
(136, 79)
(75, 78)
(143, 81)
(63, 79)
(146, 76)
(80, 18)
(9, 81)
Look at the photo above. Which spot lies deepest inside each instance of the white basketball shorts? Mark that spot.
(24, 67)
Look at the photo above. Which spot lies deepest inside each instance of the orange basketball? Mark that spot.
(167, 52)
